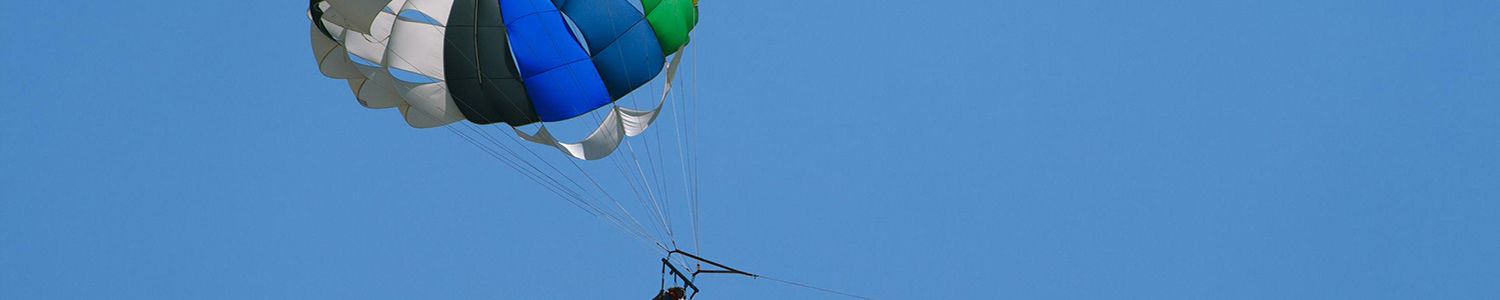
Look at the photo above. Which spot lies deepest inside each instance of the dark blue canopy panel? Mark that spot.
(622, 43)
(560, 79)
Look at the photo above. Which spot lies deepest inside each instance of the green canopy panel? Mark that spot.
(672, 20)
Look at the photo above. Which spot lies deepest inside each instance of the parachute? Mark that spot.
(526, 68)
(534, 65)
(517, 62)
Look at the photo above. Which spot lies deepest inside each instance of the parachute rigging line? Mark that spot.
(577, 199)
(681, 154)
(677, 127)
(530, 48)
(692, 145)
(664, 216)
(548, 181)
(621, 166)
(815, 288)
(664, 207)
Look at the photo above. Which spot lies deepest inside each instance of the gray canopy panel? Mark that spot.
(481, 74)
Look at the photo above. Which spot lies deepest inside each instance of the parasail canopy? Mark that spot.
(518, 62)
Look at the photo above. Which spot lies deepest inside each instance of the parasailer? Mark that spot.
(673, 293)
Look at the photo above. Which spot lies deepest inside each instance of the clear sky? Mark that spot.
(895, 149)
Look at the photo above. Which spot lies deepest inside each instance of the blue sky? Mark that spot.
(894, 149)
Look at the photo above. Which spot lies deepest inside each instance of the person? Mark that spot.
(674, 293)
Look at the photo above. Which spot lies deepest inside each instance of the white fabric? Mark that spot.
(418, 48)
(437, 9)
(434, 106)
(418, 45)
(390, 42)
(620, 123)
(333, 59)
(376, 95)
(598, 145)
(357, 15)
(381, 90)
(334, 62)
(371, 46)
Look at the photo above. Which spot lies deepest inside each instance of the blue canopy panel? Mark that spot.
(621, 42)
(560, 79)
